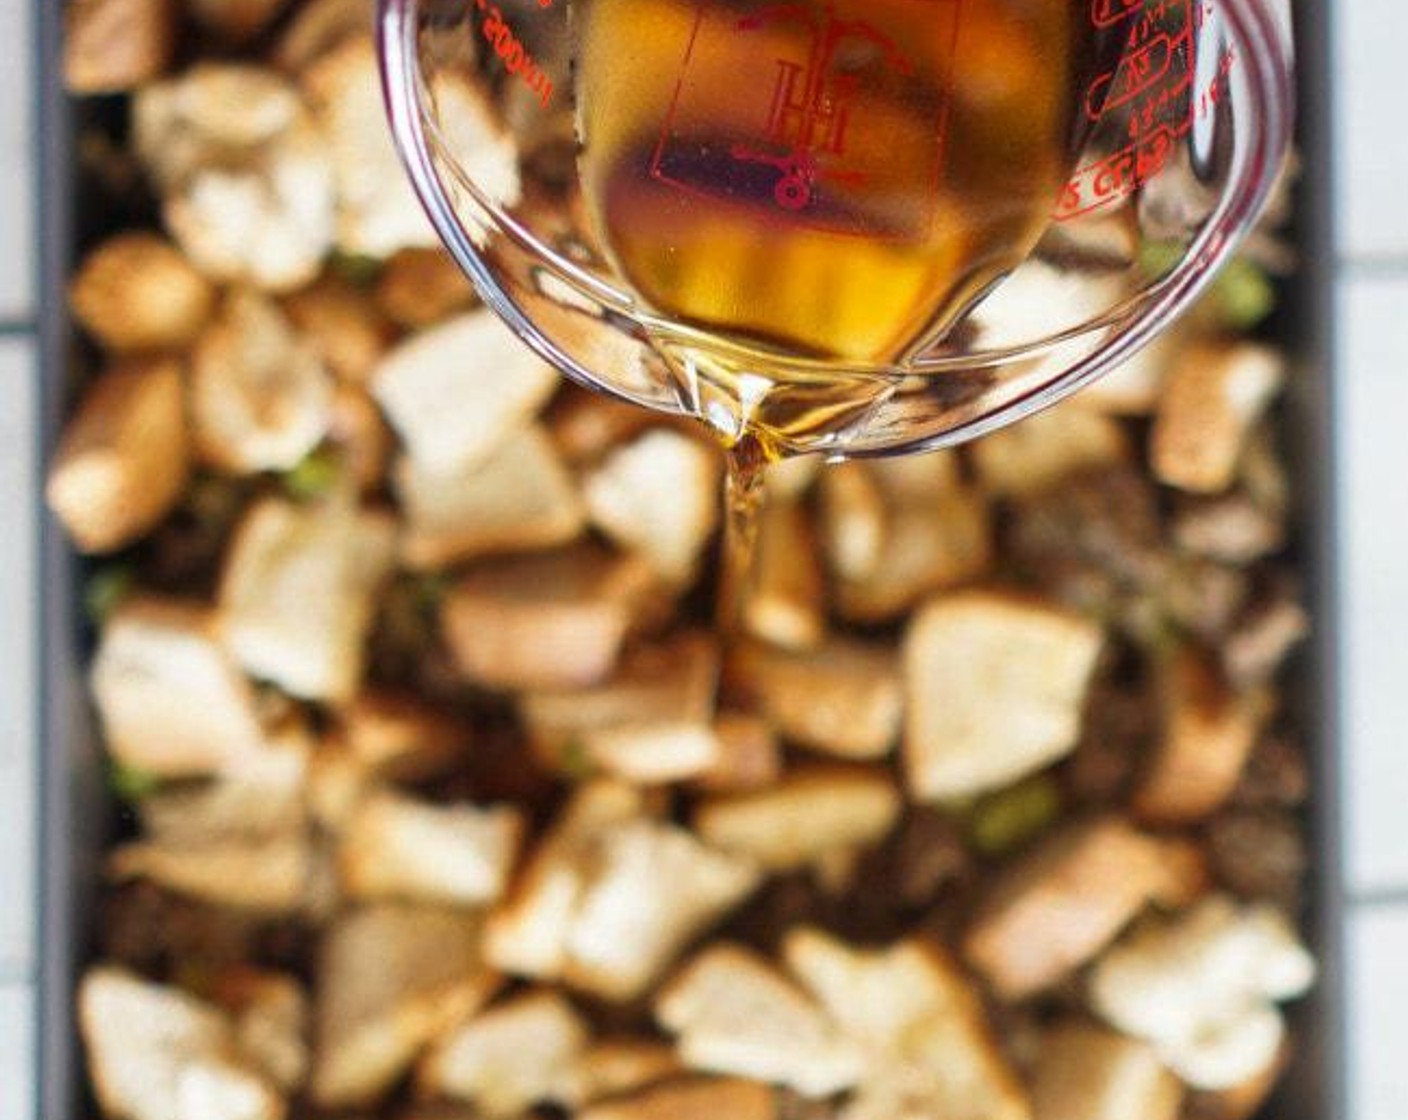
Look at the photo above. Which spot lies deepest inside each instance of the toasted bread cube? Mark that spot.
(654, 753)
(586, 425)
(1089, 1073)
(171, 700)
(419, 287)
(1207, 736)
(245, 180)
(854, 519)
(398, 847)
(1043, 450)
(156, 1053)
(748, 756)
(1214, 394)
(318, 27)
(457, 392)
(843, 698)
(235, 20)
(785, 602)
(556, 620)
(517, 1054)
(124, 457)
(270, 876)
(665, 686)
(653, 888)
(111, 46)
(807, 816)
(345, 325)
(614, 1066)
(136, 291)
(261, 398)
(390, 979)
(733, 1014)
(995, 685)
(1132, 388)
(362, 440)
(1202, 988)
(377, 211)
(297, 593)
(657, 495)
(527, 932)
(1247, 1099)
(1058, 906)
(911, 1008)
(692, 1099)
(789, 479)
(270, 1012)
(521, 497)
(400, 737)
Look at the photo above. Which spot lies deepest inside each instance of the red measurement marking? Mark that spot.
(1107, 13)
(512, 53)
(807, 104)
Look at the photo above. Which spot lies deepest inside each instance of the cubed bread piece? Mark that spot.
(297, 593)
(929, 1049)
(1043, 450)
(517, 1054)
(1202, 987)
(362, 442)
(805, 817)
(171, 700)
(1132, 388)
(135, 291)
(652, 887)
(995, 686)
(457, 392)
(554, 620)
(667, 685)
(785, 602)
(654, 753)
(691, 1099)
(377, 210)
(843, 698)
(401, 737)
(854, 520)
(658, 495)
(269, 876)
(261, 398)
(236, 21)
(390, 979)
(521, 497)
(1207, 734)
(586, 425)
(270, 1013)
(1214, 394)
(254, 797)
(732, 1013)
(419, 287)
(1058, 906)
(1086, 1072)
(614, 1066)
(317, 27)
(124, 457)
(398, 847)
(748, 756)
(344, 323)
(112, 46)
(527, 932)
(156, 1053)
(245, 180)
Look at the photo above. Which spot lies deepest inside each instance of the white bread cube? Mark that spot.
(271, 1015)
(658, 495)
(398, 847)
(1057, 907)
(521, 497)
(316, 27)
(807, 816)
(691, 1099)
(854, 519)
(124, 457)
(111, 46)
(748, 756)
(456, 392)
(298, 592)
(1214, 395)
(1043, 450)
(268, 876)
(1086, 1072)
(655, 753)
(261, 397)
(156, 1053)
(732, 1013)
(136, 292)
(553, 620)
(843, 698)
(171, 699)
(517, 1054)
(612, 1067)
(390, 979)
(996, 686)
(785, 603)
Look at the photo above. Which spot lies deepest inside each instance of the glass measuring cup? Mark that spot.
(856, 227)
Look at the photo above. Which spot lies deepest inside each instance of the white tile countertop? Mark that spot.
(1371, 177)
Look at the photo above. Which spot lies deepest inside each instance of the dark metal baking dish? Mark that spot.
(78, 814)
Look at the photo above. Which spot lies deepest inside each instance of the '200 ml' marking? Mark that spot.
(511, 51)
